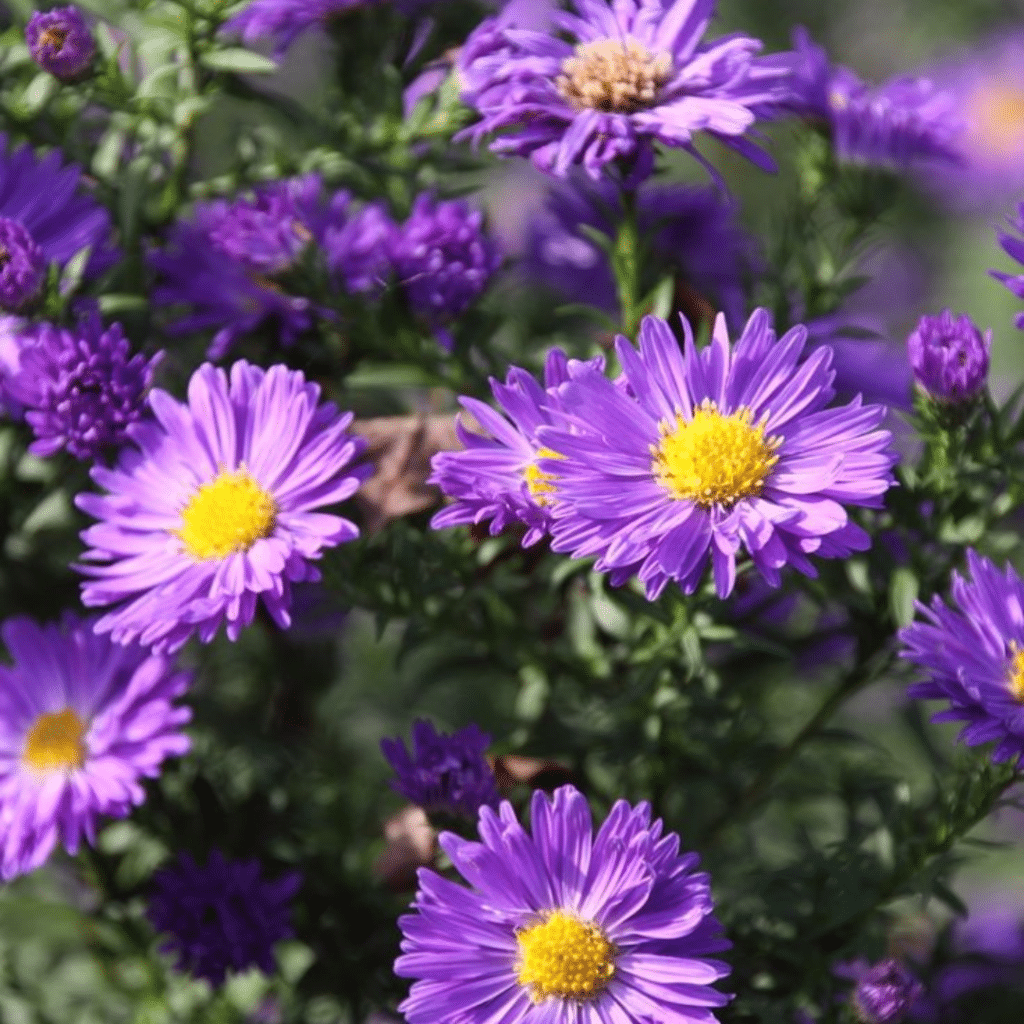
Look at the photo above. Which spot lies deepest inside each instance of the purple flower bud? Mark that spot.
(443, 773)
(949, 357)
(22, 266)
(884, 992)
(60, 41)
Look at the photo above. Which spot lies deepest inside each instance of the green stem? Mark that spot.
(626, 264)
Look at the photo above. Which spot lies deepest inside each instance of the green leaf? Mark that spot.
(903, 590)
(239, 61)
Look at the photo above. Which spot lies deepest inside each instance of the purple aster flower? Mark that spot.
(703, 454)
(907, 121)
(45, 218)
(60, 41)
(80, 388)
(215, 505)
(884, 992)
(974, 656)
(12, 338)
(221, 916)
(285, 20)
(1013, 246)
(688, 228)
(446, 774)
(82, 721)
(628, 75)
(359, 251)
(497, 476)
(563, 925)
(443, 258)
(225, 261)
(949, 357)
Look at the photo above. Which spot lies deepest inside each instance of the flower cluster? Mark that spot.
(691, 457)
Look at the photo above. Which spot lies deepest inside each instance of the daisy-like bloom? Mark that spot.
(563, 925)
(883, 993)
(949, 357)
(442, 773)
(44, 218)
(902, 123)
(225, 264)
(706, 453)
(82, 721)
(60, 41)
(284, 21)
(80, 388)
(626, 76)
(973, 654)
(215, 505)
(496, 477)
(221, 916)
(688, 228)
(443, 258)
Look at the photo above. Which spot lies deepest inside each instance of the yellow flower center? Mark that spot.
(55, 742)
(54, 37)
(229, 514)
(1015, 676)
(539, 483)
(614, 75)
(714, 459)
(564, 957)
(998, 121)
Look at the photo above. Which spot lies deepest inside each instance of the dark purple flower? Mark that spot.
(442, 773)
(80, 388)
(285, 20)
(222, 916)
(613, 81)
(44, 197)
(973, 654)
(690, 229)
(60, 41)
(949, 357)
(562, 926)
(225, 261)
(883, 992)
(443, 258)
(904, 122)
(22, 266)
(359, 251)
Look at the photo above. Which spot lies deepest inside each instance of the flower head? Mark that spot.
(285, 20)
(447, 774)
(443, 258)
(215, 505)
(883, 993)
(360, 250)
(221, 916)
(973, 654)
(82, 721)
(628, 75)
(702, 454)
(60, 41)
(225, 263)
(80, 388)
(45, 218)
(497, 477)
(949, 357)
(690, 229)
(906, 121)
(563, 925)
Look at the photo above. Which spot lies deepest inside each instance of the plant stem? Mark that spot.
(626, 264)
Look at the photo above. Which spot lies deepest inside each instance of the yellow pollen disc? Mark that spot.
(564, 957)
(539, 483)
(53, 37)
(1016, 672)
(55, 742)
(714, 459)
(614, 75)
(998, 122)
(229, 514)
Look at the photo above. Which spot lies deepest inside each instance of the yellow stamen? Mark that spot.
(713, 459)
(614, 75)
(539, 483)
(564, 957)
(54, 742)
(1015, 676)
(230, 514)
